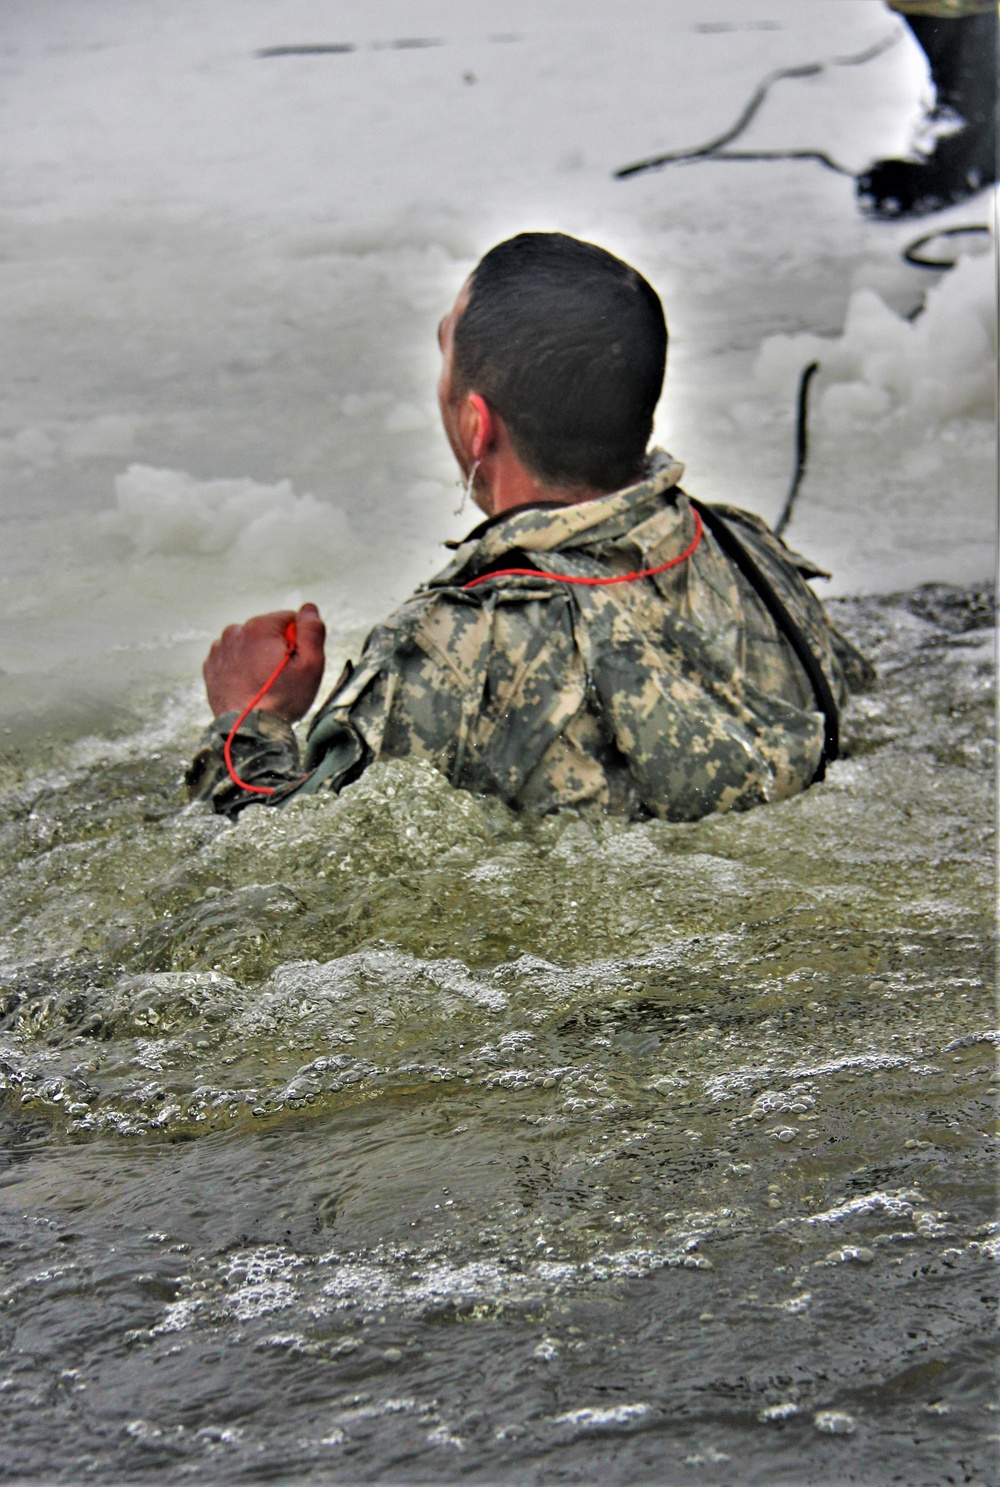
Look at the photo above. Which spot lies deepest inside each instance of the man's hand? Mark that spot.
(244, 656)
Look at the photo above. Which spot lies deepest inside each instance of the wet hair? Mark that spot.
(569, 345)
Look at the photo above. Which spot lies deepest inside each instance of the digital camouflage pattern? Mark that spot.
(673, 696)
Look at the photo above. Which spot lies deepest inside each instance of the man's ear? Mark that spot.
(481, 425)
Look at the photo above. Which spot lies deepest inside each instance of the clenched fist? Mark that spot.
(244, 656)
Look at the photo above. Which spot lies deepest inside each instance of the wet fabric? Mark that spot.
(673, 696)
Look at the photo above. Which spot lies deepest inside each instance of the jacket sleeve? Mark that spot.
(478, 686)
(411, 696)
(264, 753)
(414, 694)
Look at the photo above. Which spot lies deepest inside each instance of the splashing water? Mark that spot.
(395, 1137)
(396, 1133)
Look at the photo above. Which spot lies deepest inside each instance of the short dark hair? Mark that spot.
(569, 345)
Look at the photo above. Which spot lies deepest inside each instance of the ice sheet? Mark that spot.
(229, 268)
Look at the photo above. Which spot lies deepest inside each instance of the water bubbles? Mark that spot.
(590, 1418)
(797, 1100)
(931, 1224)
(857, 1254)
(710, 1456)
(546, 1350)
(835, 1422)
(442, 1436)
(221, 1435)
(260, 1282)
(283, 1341)
(795, 1305)
(776, 1414)
(143, 1432)
(895, 1204)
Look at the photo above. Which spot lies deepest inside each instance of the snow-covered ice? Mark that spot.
(222, 275)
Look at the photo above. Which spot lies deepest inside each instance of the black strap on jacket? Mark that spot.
(761, 584)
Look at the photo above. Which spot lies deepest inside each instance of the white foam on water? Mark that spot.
(590, 1418)
(774, 1414)
(835, 1422)
(254, 1283)
(892, 1204)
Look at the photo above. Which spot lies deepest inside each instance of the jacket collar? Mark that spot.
(484, 526)
(543, 528)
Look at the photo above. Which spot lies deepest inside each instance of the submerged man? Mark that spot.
(601, 639)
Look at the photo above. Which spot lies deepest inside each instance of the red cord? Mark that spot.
(290, 634)
(595, 582)
(290, 642)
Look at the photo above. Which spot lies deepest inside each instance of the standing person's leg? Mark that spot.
(961, 51)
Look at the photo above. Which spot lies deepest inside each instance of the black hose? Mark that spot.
(713, 150)
(817, 155)
(801, 446)
(911, 253)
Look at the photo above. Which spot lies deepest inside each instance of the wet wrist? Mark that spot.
(258, 723)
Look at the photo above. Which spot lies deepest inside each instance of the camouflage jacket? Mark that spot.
(671, 696)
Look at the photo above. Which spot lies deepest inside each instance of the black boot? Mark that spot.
(962, 53)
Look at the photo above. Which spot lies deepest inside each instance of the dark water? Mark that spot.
(398, 1138)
